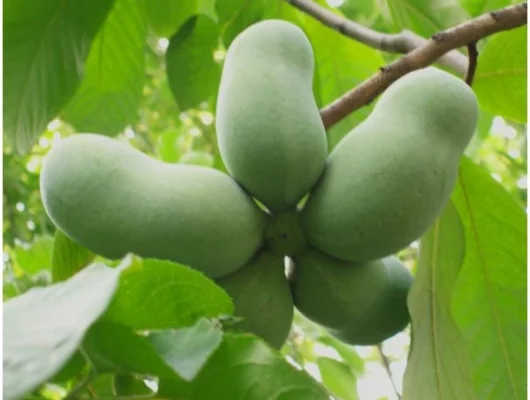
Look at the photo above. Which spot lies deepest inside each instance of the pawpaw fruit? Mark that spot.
(359, 303)
(270, 133)
(262, 297)
(114, 199)
(389, 178)
(390, 317)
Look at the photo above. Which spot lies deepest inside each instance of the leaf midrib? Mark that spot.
(40, 46)
(493, 307)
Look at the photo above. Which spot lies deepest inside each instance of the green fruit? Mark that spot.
(269, 129)
(387, 180)
(113, 199)
(358, 303)
(262, 297)
(284, 236)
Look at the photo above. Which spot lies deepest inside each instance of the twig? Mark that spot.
(386, 364)
(473, 54)
(452, 38)
(403, 42)
(81, 385)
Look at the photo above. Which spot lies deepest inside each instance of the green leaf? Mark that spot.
(167, 16)
(500, 80)
(236, 15)
(489, 302)
(167, 354)
(485, 121)
(424, 17)
(438, 364)
(186, 350)
(244, 367)
(168, 149)
(130, 385)
(9, 290)
(45, 46)
(100, 388)
(37, 257)
(192, 73)
(111, 90)
(68, 257)
(71, 369)
(348, 353)
(158, 294)
(115, 348)
(44, 326)
(338, 378)
(198, 158)
(476, 7)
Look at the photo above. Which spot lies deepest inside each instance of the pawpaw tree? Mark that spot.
(300, 199)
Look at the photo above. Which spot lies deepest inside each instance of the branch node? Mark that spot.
(465, 34)
(439, 36)
(402, 42)
(495, 15)
(341, 27)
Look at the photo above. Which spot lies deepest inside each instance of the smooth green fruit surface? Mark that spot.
(114, 199)
(269, 129)
(390, 317)
(262, 297)
(359, 303)
(388, 179)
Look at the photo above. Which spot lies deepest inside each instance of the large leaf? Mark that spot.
(489, 302)
(130, 385)
(476, 7)
(157, 294)
(167, 16)
(438, 361)
(45, 47)
(171, 354)
(186, 350)
(43, 327)
(192, 73)
(37, 256)
(424, 17)
(115, 348)
(68, 257)
(338, 378)
(348, 353)
(112, 87)
(244, 367)
(236, 15)
(72, 369)
(500, 80)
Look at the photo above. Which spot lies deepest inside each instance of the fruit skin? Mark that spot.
(261, 296)
(113, 199)
(360, 304)
(271, 137)
(387, 180)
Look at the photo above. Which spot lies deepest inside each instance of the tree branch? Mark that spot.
(403, 42)
(440, 43)
(473, 55)
(386, 364)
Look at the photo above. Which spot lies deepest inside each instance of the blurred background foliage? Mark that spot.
(179, 127)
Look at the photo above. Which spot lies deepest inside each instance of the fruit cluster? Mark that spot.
(378, 190)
